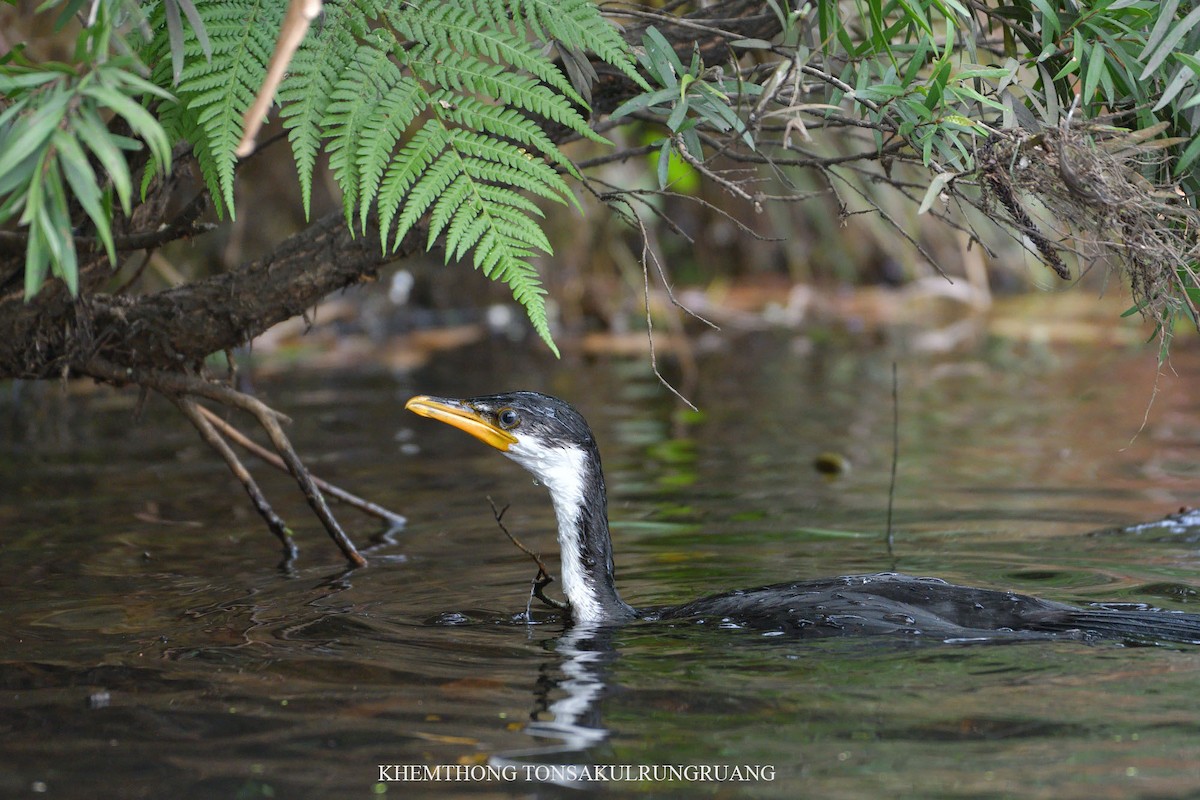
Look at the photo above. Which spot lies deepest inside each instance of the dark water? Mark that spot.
(149, 647)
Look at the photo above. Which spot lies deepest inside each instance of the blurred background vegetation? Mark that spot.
(848, 154)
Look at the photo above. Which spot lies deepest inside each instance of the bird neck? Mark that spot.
(581, 507)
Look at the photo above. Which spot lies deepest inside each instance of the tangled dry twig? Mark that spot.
(1087, 186)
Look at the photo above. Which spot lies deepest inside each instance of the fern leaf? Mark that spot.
(402, 100)
(413, 160)
(578, 24)
(507, 123)
(472, 76)
(497, 258)
(353, 101)
(499, 161)
(448, 205)
(450, 26)
(428, 190)
(305, 93)
(213, 94)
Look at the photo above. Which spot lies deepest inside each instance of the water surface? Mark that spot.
(151, 647)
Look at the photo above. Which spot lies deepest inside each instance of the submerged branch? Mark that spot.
(200, 418)
(367, 507)
(543, 577)
(176, 385)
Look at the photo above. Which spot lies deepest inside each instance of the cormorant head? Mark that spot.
(541, 433)
(551, 439)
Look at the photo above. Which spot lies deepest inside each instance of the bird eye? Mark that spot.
(508, 418)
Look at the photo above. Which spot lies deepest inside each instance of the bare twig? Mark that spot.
(199, 417)
(16, 241)
(312, 494)
(876, 208)
(180, 385)
(895, 459)
(543, 577)
(390, 517)
(733, 187)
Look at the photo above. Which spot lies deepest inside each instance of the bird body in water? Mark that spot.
(550, 439)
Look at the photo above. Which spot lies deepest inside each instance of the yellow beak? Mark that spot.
(454, 412)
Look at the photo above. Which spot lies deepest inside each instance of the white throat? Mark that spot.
(562, 471)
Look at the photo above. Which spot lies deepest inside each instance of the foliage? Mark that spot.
(441, 111)
(687, 99)
(942, 81)
(425, 107)
(53, 114)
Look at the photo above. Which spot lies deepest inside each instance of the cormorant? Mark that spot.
(552, 440)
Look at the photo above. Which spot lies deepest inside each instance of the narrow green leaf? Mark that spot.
(197, 23)
(643, 101)
(135, 83)
(1166, 15)
(98, 139)
(175, 36)
(56, 224)
(139, 120)
(916, 16)
(82, 180)
(37, 262)
(1191, 61)
(664, 163)
(677, 114)
(981, 72)
(19, 175)
(1182, 78)
(37, 190)
(1189, 155)
(662, 54)
(1167, 46)
(1051, 27)
(1096, 64)
(31, 133)
(12, 82)
(751, 44)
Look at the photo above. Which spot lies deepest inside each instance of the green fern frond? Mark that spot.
(430, 107)
(355, 97)
(305, 93)
(428, 190)
(402, 100)
(490, 159)
(578, 24)
(472, 114)
(213, 95)
(467, 182)
(409, 165)
(453, 27)
(470, 75)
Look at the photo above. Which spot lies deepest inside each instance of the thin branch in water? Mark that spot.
(543, 577)
(181, 384)
(316, 501)
(392, 519)
(197, 415)
(895, 460)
